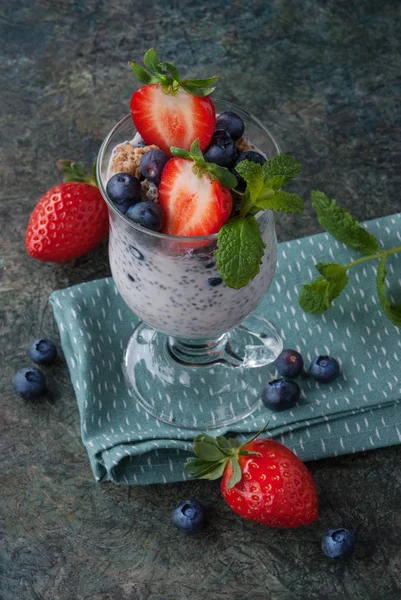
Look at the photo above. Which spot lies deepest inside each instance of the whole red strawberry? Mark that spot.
(263, 481)
(70, 220)
(170, 111)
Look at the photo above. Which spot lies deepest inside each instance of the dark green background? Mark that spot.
(326, 78)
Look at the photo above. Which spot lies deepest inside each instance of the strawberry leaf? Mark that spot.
(195, 149)
(237, 473)
(75, 173)
(179, 153)
(171, 69)
(208, 452)
(200, 469)
(200, 82)
(197, 91)
(151, 61)
(142, 75)
(226, 178)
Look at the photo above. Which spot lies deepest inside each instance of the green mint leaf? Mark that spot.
(275, 183)
(279, 201)
(179, 153)
(332, 272)
(240, 251)
(317, 296)
(237, 473)
(341, 225)
(392, 311)
(282, 165)
(251, 172)
(151, 61)
(197, 91)
(226, 178)
(171, 69)
(142, 75)
(195, 149)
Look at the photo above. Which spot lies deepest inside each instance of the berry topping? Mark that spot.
(170, 111)
(29, 383)
(290, 363)
(147, 214)
(221, 149)
(324, 369)
(152, 165)
(338, 543)
(43, 351)
(193, 195)
(281, 394)
(231, 123)
(189, 516)
(124, 190)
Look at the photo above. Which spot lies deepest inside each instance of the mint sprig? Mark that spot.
(201, 167)
(240, 244)
(169, 77)
(316, 297)
(240, 251)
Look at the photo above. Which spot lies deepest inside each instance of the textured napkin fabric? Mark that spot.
(361, 410)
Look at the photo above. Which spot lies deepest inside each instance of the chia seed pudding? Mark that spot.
(176, 289)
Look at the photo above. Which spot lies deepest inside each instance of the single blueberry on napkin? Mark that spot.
(361, 410)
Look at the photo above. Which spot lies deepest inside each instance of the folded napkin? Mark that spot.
(359, 411)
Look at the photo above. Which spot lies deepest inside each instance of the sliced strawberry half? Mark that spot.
(193, 204)
(170, 111)
(172, 120)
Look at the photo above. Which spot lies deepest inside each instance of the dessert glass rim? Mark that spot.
(156, 234)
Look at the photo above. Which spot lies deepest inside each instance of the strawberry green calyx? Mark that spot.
(201, 167)
(214, 454)
(169, 78)
(75, 173)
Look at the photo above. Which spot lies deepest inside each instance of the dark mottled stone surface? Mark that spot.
(325, 77)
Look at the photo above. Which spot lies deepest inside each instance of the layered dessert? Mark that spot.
(192, 251)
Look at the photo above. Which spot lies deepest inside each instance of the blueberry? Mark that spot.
(221, 149)
(338, 543)
(324, 369)
(231, 123)
(213, 281)
(152, 165)
(281, 394)
(248, 155)
(189, 516)
(147, 214)
(124, 190)
(43, 351)
(252, 156)
(241, 185)
(290, 363)
(29, 383)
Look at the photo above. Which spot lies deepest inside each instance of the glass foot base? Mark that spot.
(201, 384)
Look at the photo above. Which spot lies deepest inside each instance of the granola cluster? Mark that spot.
(126, 159)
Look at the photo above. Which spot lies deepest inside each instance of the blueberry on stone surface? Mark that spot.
(43, 351)
(231, 123)
(324, 369)
(152, 165)
(338, 543)
(124, 190)
(147, 214)
(281, 394)
(29, 383)
(189, 516)
(221, 149)
(289, 363)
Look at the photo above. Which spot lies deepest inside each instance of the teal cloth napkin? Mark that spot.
(359, 411)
